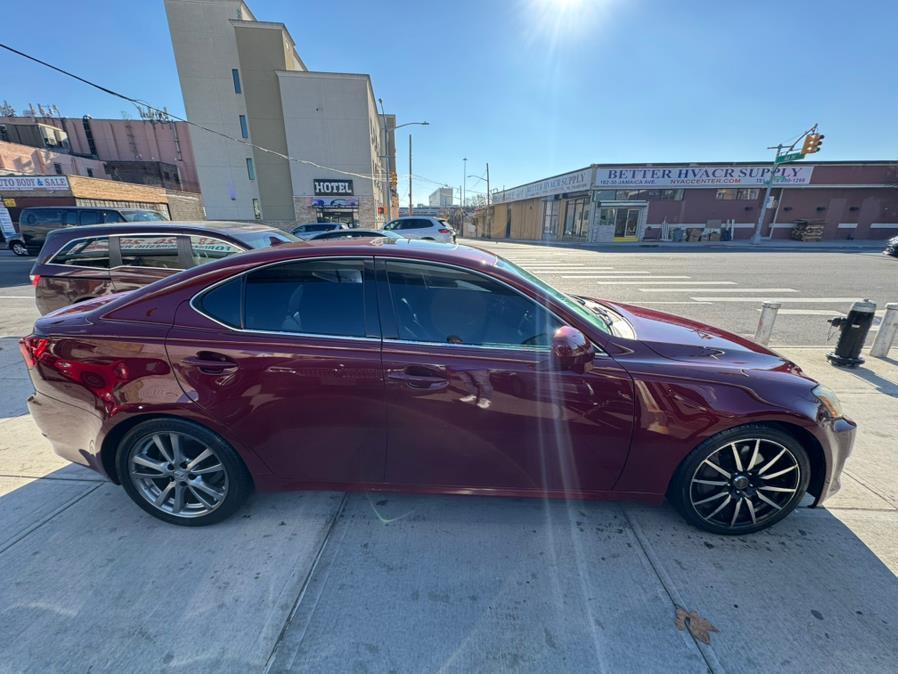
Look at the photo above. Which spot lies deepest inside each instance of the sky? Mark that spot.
(534, 87)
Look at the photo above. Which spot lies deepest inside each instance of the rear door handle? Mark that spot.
(414, 377)
(210, 364)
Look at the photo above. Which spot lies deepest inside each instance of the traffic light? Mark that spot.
(812, 143)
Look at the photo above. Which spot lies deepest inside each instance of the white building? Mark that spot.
(441, 197)
(243, 78)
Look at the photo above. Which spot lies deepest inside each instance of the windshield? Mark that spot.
(142, 216)
(593, 316)
(265, 238)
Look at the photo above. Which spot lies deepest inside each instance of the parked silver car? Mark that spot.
(419, 227)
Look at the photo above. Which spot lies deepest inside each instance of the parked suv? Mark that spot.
(35, 223)
(313, 228)
(80, 263)
(415, 227)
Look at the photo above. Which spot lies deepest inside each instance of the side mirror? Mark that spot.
(571, 349)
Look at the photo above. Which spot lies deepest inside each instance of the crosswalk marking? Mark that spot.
(652, 281)
(718, 290)
(645, 304)
(796, 300)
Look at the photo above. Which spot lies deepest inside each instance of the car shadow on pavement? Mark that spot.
(412, 583)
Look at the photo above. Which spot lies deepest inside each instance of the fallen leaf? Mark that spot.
(698, 627)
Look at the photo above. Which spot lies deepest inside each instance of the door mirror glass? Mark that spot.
(571, 349)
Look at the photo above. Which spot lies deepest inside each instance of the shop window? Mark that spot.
(730, 194)
(57, 168)
(235, 74)
(250, 169)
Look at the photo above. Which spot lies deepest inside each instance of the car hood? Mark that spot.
(683, 339)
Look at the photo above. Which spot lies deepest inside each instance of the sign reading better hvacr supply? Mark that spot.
(325, 187)
(701, 176)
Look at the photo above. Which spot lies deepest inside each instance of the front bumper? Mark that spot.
(837, 438)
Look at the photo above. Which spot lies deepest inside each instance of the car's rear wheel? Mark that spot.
(742, 480)
(18, 248)
(182, 473)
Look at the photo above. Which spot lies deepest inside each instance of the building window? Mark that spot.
(90, 173)
(250, 169)
(244, 128)
(730, 194)
(58, 169)
(236, 75)
(257, 209)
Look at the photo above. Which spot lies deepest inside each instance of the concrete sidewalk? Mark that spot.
(865, 245)
(324, 581)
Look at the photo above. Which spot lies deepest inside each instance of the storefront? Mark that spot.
(335, 201)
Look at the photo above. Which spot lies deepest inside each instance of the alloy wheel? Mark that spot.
(744, 483)
(19, 248)
(178, 474)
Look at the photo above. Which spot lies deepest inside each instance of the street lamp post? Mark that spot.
(399, 126)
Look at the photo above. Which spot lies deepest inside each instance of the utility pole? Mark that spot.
(756, 237)
(410, 174)
(464, 184)
(489, 209)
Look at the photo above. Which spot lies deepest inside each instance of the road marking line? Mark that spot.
(645, 278)
(673, 283)
(718, 290)
(796, 300)
(641, 304)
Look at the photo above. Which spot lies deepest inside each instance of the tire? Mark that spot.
(215, 491)
(744, 495)
(18, 248)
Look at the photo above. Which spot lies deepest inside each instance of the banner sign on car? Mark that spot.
(6, 225)
(325, 187)
(701, 176)
(32, 183)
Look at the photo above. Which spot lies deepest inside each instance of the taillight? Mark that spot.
(35, 279)
(32, 349)
(445, 231)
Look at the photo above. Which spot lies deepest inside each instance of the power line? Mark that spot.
(137, 101)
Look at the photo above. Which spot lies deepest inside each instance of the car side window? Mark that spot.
(206, 248)
(159, 251)
(84, 253)
(71, 217)
(91, 217)
(447, 305)
(223, 302)
(390, 226)
(112, 216)
(317, 297)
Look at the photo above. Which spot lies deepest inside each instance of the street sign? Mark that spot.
(792, 156)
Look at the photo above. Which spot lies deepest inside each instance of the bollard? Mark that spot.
(765, 322)
(886, 335)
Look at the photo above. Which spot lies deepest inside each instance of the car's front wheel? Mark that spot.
(18, 248)
(181, 472)
(742, 480)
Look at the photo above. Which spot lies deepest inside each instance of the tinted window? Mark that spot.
(264, 238)
(91, 217)
(414, 224)
(206, 248)
(84, 253)
(142, 216)
(448, 305)
(112, 216)
(321, 297)
(150, 251)
(44, 216)
(223, 302)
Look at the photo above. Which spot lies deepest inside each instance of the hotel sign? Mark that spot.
(32, 183)
(701, 176)
(569, 182)
(332, 188)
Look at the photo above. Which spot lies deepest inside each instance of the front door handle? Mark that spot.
(211, 363)
(420, 378)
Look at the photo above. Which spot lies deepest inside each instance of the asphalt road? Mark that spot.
(722, 287)
(725, 288)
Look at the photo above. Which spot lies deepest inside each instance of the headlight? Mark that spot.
(829, 400)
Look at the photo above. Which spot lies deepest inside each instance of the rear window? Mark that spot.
(84, 253)
(263, 239)
(150, 251)
(223, 302)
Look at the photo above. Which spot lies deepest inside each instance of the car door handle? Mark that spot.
(413, 379)
(211, 364)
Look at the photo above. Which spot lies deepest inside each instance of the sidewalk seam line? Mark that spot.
(867, 486)
(708, 654)
(52, 515)
(269, 663)
(61, 479)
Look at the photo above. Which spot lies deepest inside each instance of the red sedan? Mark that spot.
(414, 366)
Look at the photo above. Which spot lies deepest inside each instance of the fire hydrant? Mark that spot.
(853, 330)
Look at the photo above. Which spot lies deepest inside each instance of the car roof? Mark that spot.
(89, 208)
(161, 226)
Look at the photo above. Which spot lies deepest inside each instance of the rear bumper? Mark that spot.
(837, 438)
(71, 430)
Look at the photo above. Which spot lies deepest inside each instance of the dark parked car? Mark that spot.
(892, 247)
(77, 264)
(35, 223)
(354, 234)
(309, 230)
(416, 366)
